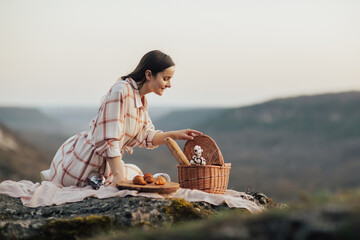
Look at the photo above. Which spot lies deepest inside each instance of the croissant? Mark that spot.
(148, 177)
(160, 180)
(139, 180)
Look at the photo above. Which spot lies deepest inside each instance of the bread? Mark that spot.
(148, 177)
(139, 180)
(160, 180)
(176, 151)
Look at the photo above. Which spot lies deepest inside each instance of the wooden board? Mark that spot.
(169, 187)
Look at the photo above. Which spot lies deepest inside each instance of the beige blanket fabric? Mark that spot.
(49, 193)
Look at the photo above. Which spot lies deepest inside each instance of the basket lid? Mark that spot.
(211, 153)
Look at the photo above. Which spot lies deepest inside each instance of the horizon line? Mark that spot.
(250, 103)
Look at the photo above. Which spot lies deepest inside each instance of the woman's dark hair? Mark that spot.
(155, 61)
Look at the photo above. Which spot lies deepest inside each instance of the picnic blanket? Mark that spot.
(49, 193)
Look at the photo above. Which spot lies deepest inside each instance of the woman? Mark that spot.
(121, 124)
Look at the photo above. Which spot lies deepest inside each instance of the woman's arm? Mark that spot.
(185, 134)
(117, 168)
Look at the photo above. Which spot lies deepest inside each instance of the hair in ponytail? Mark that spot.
(155, 61)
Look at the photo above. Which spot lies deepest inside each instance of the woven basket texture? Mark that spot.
(211, 179)
(211, 153)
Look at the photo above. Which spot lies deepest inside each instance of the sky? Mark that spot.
(227, 53)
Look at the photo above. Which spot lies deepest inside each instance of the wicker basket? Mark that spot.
(211, 152)
(212, 177)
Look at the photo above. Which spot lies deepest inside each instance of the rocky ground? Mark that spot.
(146, 218)
(327, 222)
(95, 215)
(327, 216)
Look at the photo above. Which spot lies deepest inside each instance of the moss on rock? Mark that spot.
(144, 225)
(181, 210)
(78, 226)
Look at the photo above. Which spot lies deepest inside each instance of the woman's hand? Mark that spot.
(117, 178)
(117, 168)
(185, 134)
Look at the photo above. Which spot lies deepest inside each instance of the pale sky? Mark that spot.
(227, 53)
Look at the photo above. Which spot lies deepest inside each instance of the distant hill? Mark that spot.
(280, 147)
(287, 145)
(21, 118)
(35, 127)
(72, 119)
(179, 119)
(19, 160)
(330, 116)
(77, 119)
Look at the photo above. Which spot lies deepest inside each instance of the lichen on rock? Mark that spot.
(181, 210)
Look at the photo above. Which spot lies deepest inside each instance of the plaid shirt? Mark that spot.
(121, 124)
